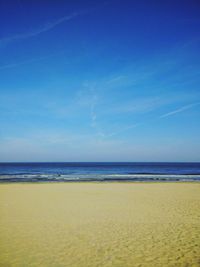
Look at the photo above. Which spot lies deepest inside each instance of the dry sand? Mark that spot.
(100, 224)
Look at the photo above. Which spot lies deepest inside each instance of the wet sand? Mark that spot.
(100, 224)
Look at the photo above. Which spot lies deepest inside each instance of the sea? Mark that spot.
(99, 171)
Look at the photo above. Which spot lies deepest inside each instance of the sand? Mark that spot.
(100, 224)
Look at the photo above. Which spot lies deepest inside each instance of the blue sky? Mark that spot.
(99, 81)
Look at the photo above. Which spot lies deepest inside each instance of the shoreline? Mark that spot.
(101, 182)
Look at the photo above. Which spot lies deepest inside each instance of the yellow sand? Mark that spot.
(100, 224)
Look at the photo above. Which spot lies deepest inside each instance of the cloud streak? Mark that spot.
(46, 27)
(93, 114)
(179, 110)
(125, 129)
(14, 65)
(40, 30)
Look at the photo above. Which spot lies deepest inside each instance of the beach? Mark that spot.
(100, 224)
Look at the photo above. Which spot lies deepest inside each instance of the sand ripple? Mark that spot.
(94, 224)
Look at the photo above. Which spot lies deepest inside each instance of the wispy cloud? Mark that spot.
(138, 105)
(25, 62)
(47, 27)
(179, 110)
(163, 116)
(93, 114)
(40, 30)
(124, 129)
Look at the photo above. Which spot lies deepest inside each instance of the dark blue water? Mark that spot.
(104, 171)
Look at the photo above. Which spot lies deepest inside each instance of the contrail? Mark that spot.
(40, 30)
(124, 129)
(48, 26)
(163, 116)
(179, 110)
(13, 65)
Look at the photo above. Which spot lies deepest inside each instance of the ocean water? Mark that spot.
(101, 171)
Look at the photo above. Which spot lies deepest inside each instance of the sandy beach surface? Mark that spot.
(100, 224)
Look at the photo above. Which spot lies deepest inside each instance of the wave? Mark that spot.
(96, 177)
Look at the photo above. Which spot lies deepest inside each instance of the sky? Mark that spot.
(99, 80)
